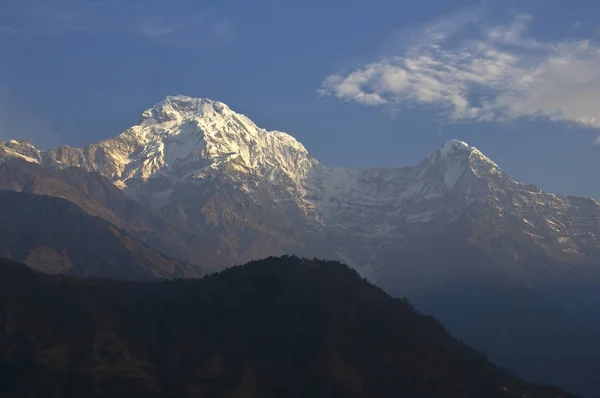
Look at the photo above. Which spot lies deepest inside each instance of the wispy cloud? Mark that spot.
(31, 18)
(199, 31)
(165, 23)
(475, 71)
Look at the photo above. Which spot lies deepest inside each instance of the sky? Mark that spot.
(359, 83)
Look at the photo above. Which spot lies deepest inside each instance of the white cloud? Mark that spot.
(477, 72)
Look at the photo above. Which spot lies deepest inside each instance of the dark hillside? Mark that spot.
(280, 327)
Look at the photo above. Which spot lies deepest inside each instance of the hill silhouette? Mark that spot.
(279, 327)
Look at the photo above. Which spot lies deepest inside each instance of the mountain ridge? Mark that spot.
(212, 169)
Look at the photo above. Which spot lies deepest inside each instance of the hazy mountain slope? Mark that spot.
(99, 197)
(56, 236)
(521, 329)
(528, 314)
(279, 327)
(21, 176)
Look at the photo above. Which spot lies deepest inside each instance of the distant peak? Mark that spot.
(24, 142)
(455, 145)
(459, 148)
(454, 150)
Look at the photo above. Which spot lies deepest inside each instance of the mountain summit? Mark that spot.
(182, 132)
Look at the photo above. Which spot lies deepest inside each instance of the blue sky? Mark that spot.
(360, 83)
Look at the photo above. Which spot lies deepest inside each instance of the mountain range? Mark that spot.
(214, 172)
(200, 188)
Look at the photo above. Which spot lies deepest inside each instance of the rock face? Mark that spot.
(242, 192)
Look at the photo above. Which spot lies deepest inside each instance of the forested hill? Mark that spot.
(280, 327)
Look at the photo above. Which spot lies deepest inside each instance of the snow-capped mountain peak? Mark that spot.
(453, 146)
(23, 149)
(458, 148)
(455, 158)
(214, 120)
(176, 107)
(185, 139)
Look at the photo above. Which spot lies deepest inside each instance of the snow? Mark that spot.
(459, 151)
(188, 140)
(182, 131)
(13, 152)
(335, 181)
(453, 172)
(452, 146)
(526, 221)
